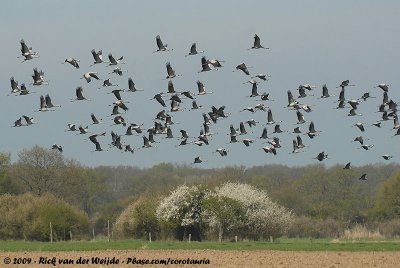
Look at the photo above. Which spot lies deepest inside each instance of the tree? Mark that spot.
(139, 219)
(7, 184)
(223, 214)
(183, 210)
(82, 187)
(263, 217)
(39, 170)
(387, 204)
(232, 205)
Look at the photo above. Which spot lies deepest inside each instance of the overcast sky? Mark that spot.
(314, 42)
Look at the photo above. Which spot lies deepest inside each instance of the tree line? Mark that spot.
(324, 200)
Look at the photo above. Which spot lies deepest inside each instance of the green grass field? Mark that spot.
(282, 244)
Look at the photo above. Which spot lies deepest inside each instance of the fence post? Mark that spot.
(51, 233)
(190, 238)
(70, 234)
(94, 237)
(271, 239)
(108, 230)
(150, 237)
(236, 238)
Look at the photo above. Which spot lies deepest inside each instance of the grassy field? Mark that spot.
(282, 244)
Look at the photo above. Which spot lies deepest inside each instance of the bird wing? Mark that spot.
(170, 71)
(341, 95)
(290, 97)
(112, 59)
(257, 42)
(74, 63)
(79, 93)
(24, 48)
(270, 118)
(160, 100)
(242, 128)
(325, 92)
(14, 85)
(169, 133)
(187, 94)
(117, 94)
(94, 75)
(93, 138)
(243, 67)
(160, 44)
(27, 119)
(100, 55)
(300, 116)
(131, 84)
(146, 141)
(174, 105)
(98, 147)
(311, 127)
(48, 101)
(204, 62)
(171, 88)
(299, 141)
(254, 90)
(96, 56)
(200, 87)
(94, 119)
(122, 105)
(302, 92)
(42, 103)
(193, 49)
(36, 74)
(264, 134)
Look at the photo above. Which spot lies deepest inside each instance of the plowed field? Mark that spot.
(185, 258)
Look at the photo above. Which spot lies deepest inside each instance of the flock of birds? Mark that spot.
(164, 125)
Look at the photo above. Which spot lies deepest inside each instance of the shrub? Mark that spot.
(360, 232)
(28, 217)
(390, 228)
(138, 220)
(305, 227)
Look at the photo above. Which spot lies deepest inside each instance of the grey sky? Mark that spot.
(313, 42)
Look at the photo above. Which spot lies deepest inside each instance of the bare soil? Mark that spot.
(240, 258)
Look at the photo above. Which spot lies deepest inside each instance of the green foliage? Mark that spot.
(387, 204)
(7, 184)
(334, 193)
(224, 215)
(138, 220)
(39, 170)
(28, 217)
(328, 197)
(4, 161)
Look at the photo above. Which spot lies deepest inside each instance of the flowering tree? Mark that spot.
(263, 217)
(183, 209)
(230, 207)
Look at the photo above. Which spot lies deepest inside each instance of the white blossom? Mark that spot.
(182, 206)
(262, 217)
